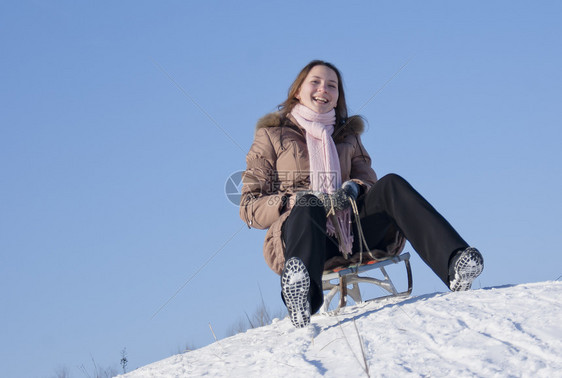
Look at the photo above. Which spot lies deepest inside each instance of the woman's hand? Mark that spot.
(351, 188)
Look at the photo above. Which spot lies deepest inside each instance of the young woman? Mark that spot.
(305, 168)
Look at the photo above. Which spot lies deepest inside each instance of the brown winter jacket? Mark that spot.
(278, 167)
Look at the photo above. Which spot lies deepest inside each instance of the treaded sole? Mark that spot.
(469, 266)
(295, 284)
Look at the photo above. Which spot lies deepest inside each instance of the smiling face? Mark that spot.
(319, 90)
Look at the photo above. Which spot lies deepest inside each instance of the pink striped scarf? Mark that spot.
(325, 171)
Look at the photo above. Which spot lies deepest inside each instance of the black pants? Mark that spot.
(390, 203)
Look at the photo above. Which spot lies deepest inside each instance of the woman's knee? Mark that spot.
(390, 184)
(392, 180)
(309, 204)
(306, 213)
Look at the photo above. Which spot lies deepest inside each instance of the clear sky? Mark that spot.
(120, 123)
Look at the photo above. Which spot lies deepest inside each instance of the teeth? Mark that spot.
(321, 99)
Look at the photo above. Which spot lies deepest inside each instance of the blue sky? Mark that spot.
(120, 123)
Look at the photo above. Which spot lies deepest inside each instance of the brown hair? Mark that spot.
(341, 107)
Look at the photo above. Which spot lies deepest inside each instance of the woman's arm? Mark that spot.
(361, 170)
(261, 203)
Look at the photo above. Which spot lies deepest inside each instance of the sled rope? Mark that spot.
(332, 208)
(362, 241)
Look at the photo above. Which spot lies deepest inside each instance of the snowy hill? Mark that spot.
(494, 332)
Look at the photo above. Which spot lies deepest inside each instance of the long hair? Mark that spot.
(341, 107)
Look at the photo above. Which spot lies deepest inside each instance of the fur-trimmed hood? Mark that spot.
(354, 125)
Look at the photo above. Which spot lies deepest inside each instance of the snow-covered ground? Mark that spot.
(509, 331)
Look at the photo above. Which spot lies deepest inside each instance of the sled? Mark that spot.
(349, 276)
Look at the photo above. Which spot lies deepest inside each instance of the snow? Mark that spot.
(507, 331)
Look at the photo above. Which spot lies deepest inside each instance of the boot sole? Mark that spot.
(469, 266)
(295, 284)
